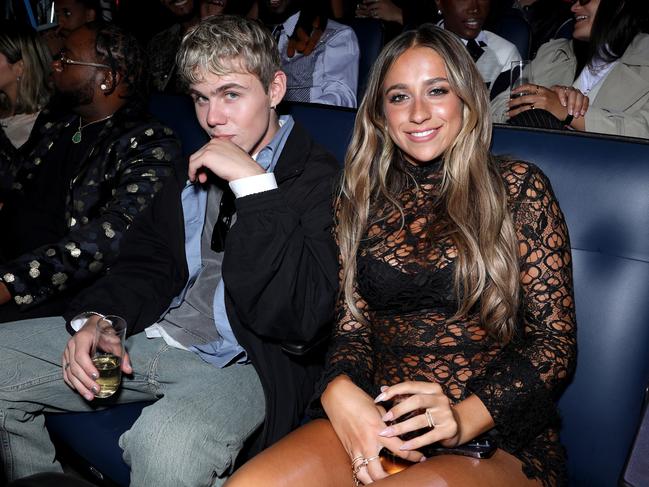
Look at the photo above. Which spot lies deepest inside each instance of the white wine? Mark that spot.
(110, 374)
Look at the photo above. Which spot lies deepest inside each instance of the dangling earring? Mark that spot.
(103, 86)
(439, 12)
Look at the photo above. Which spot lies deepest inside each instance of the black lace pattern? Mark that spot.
(405, 291)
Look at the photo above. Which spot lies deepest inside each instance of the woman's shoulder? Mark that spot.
(523, 180)
(549, 50)
(638, 50)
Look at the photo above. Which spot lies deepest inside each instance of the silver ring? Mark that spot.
(430, 419)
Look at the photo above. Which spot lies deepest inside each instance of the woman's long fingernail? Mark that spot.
(388, 416)
(422, 459)
(389, 431)
(406, 446)
(380, 398)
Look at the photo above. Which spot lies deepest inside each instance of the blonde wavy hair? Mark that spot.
(473, 198)
(18, 43)
(222, 44)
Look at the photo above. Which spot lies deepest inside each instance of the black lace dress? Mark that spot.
(405, 289)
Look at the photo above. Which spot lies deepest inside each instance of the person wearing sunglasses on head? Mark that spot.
(92, 163)
(227, 283)
(596, 82)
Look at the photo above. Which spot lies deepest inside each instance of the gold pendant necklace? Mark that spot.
(76, 138)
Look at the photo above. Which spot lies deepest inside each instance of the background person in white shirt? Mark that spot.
(328, 74)
(596, 82)
(492, 54)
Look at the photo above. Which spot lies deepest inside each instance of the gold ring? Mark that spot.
(429, 418)
(361, 458)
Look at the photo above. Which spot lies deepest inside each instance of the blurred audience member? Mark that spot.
(70, 15)
(545, 18)
(162, 49)
(397, 15)
(91, 166)
(321, 68)
(492, 54)
(24, 86)
(596, 82)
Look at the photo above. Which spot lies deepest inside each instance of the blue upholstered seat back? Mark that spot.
(602, 184)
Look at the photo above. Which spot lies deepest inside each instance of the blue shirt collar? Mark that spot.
(269, 155)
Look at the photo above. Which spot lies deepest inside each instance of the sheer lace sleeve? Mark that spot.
(520, 386)
(350, 351)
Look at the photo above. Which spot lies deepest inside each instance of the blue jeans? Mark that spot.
(190, 436)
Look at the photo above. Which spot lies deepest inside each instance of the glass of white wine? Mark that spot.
(107, 354)
(519, 75)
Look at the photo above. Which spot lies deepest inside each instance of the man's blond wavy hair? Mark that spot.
(225, 44)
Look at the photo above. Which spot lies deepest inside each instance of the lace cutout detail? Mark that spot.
(405, 290)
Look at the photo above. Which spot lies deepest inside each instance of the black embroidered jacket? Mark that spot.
(114, 182)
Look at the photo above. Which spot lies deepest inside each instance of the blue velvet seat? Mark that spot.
(602, 184)
(370, 42)
(514, 27)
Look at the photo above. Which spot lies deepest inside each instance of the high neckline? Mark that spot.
(423, 172)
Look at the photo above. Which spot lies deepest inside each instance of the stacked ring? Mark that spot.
(430, 419)
(357, 468)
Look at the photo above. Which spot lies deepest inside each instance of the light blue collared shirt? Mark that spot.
(225, 349)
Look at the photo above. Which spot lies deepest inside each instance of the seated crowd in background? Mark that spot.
(92, 163)
(596, 82)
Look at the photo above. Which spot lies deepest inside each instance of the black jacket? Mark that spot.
(279, 268)
(115, 181)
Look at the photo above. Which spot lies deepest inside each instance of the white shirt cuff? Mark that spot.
(78, 321)
(253, 184)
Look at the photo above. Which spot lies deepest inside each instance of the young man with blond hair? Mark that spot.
(220, 292)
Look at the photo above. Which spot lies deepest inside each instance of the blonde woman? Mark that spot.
(456, 319)
(24, 85)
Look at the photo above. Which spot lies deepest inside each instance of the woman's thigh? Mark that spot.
(313, 455)
(501, 470)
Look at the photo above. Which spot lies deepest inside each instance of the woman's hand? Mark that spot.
(574, 100)
(379, 9)
(357, 422)
(427, 408)
(560, 101)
